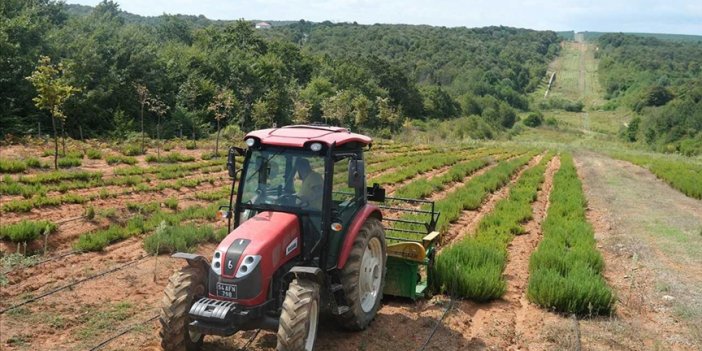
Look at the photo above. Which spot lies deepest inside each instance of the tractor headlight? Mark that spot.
(316, 147)
(247, 265)
(250, 142)
(217, 262)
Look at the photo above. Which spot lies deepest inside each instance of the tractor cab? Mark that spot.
(303, 238)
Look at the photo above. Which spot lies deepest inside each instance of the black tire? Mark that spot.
(180, 293)
(299, 318)
(358, 318)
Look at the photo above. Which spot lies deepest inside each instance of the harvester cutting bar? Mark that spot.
(402, 239)
(405, 209)
(404, 230)
(404, 221)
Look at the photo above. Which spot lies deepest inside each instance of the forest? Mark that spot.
(661, 81)
(186, 76)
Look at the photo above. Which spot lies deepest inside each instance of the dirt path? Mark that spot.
(650, 236)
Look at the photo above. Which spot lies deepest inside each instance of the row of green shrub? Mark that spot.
(421, 188)
(173, 157)
(468, 197)
(472, 268)
(421, 165)
(399, 161)
(681, 175)
(117, 159)
(62, 181)
(41, 200)
(472, 195)
(565, 271)
(19, 166)
(149, 218)
(26, 230)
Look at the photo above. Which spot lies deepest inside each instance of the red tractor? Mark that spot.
(306, 240)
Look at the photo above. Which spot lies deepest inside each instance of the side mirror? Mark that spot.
(231, 160)
(357, 174)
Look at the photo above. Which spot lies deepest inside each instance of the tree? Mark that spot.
(221, 106)
(159, 108)
(144, 97)
(53, 89)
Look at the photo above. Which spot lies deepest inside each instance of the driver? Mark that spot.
(312, 184)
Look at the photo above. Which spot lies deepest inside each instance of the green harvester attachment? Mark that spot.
(410, 226)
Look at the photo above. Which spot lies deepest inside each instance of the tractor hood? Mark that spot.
(272, 235)
(252, 252)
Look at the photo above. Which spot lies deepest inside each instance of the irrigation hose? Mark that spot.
(248, 343)
(72, 284)
(436, 326)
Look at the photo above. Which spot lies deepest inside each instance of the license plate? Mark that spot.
(226, 290)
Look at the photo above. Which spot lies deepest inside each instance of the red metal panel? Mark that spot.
(367, 211)
(297, 136)
(270, 234)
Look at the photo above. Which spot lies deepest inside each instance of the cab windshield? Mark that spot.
(284, 179)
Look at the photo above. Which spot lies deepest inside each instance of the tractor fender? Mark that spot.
(194, 260)
(314, 274)
(367, 211)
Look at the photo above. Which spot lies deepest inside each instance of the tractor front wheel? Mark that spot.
(299, 319)
(363, 276)
(180, 294)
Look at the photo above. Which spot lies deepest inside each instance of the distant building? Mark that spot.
(263, 25)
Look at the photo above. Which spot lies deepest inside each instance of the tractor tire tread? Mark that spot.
(292, 329)
(355, 319)
(175, 305)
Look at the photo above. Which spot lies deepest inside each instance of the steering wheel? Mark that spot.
(293, 199)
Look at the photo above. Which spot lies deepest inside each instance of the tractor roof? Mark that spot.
(299, 135)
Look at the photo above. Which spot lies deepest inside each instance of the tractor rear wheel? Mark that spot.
(363, 276)
(300, 317)
(184, 287)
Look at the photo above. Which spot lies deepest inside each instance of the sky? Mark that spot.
(648, 16)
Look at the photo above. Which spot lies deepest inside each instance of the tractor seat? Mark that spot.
(408, 250)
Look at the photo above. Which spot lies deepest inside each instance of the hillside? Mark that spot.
(399, 73)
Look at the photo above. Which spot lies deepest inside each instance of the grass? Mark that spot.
(132, 150)
(421, 188)
(68, 162)
(94, 154)
(420, 165)
(566, 268)
(12, 166)
(473, 267)
(26, 230)
(171, 203)
(468, 197)
(148, 220)
(178, 238)
(12, 260)
(96, 322)
(173, 157)
(117, 159)
(472, 195)
(98, 240)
